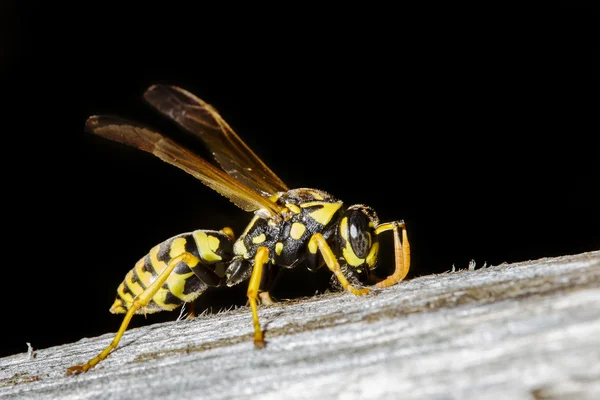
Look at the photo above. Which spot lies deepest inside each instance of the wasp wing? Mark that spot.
(203, 121)
(143, 138)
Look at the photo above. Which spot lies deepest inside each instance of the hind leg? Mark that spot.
(139, 302)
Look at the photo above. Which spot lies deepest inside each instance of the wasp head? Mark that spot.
(357, 240)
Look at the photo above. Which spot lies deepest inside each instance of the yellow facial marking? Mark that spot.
(347, 252)
(344, 228)
(259, 239)
(350, 257)
(203, 243)
(177, 247)
(324, 214)
(278, 248)
(293, 208)
(372, 256)
(297, 230)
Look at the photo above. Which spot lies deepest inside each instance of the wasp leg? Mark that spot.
(401, 251)
(139, 302)
(229, 232)
(317, 241)
(270, 276)
(191, 311)
(262, 257)
(265, 299)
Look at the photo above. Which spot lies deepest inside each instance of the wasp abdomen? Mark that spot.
(185, 283)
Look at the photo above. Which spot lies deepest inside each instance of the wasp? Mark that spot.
(289, 227)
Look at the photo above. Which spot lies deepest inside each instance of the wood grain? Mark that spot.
(528, 330)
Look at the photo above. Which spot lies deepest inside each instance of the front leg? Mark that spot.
(401, 252)
(351, 275)
(318, 243)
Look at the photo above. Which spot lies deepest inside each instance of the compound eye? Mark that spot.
(359, 235)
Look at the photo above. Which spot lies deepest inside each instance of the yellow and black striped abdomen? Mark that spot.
(185, 283)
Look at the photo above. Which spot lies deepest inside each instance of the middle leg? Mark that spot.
(260, 259)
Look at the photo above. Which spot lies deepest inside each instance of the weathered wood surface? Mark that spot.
(521, 331)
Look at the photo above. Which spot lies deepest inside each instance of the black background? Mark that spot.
(479, 129)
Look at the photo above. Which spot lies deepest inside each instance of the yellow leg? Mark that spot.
(229, 232)
(261, 257)
(401, 251)
(265, 298)
(139, 302)
(318, 240)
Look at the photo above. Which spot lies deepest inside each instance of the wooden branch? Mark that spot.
(518, 331)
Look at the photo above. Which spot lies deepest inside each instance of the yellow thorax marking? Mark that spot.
(250, 225)
(278, 248)
(324, 214)
(315, 194)
(240, 249)
(293, 208)
(259, 239)
(297, 230)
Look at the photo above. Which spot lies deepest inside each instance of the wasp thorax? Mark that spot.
(356, 236)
